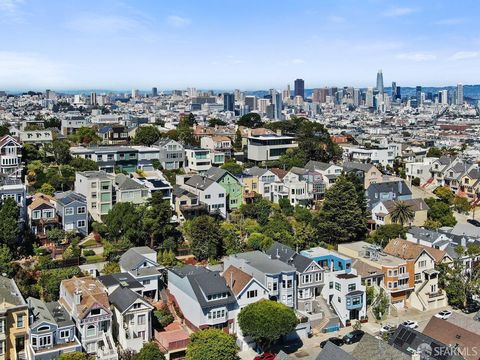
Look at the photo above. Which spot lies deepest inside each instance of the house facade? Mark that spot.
(10, 156)
(171, 154)
(71, 207)
(232, 186)
(382, 212)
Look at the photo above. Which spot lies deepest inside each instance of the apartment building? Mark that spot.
(171, 154)
(13, 321)
(218, 143)
(277, 276)
(419, 170)
(399, 279)
(51, 332)
(97, 188)
(71, 123)
(382, 156)
(264, 181)
(269, 147)
(108, 158)
(86, 301)
(197, 160)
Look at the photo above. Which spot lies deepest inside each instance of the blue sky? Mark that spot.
(224, 44)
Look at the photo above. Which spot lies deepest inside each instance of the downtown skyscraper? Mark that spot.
(380, 87)
(300, 88)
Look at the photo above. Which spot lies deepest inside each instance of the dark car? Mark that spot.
(353, 336)
(471, 308)
(336, 340)
(265, 356)
(474, 222)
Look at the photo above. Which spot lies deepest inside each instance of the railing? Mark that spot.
(436, 294)
(404, 275)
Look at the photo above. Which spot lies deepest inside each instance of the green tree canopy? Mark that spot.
(81, 164)
(402, 213)
(441, 212)
(85, 135)
(434, 152)
(9, 228)
(204, 236)
(385, 233)
(341, 218)
(212, 344)
(232, 167)
(266, 321)
(76, 355)
(259, 209)
(157, 222)
(111, 267)
(461, 205)
(149, 351)
(124, 220)
(4, 130)
(445, 194)
(60, 149)
(216, 122)
(146, 135)
(250, 120)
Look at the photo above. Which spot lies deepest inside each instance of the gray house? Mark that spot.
(388, 190)
(172, 154)
(51, 331)
(72, 210)
(309, 274)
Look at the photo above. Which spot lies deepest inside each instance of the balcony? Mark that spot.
(405, 275)
(435, 295)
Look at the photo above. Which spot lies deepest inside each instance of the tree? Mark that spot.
(341, 218)
(163, 317)
(149, 351)
(50, 280)
(259, 209)
(76, 355)
(233, 240)
(204, 236)
(4, 130)
(30, 153)
(416, 181)
(184, 133)
(52, 122)
(434, 152)
(212, 344)
(60, 150)
(402, 213)
(157, 222)
(259, 241)
(124, 220)
(432, 224)
(56, 235)
(382, 303)
(111, 267)
(250, 120)
(461, 205)
(146, 135)
(9, 229)
(216, 122)
(441, 212)
(85, 135)
(445, 194)
(266, 321)
(6, 258)
(286, 206)
(385, 233)
(237, 143)
(47, 189)
(232, 167)
(81, 164)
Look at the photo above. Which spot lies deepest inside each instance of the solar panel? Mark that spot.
(411, 337)
(398, 342)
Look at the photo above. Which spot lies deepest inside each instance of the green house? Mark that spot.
(233, 187)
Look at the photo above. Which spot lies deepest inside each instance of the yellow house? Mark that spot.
(382, 212)
(470, 183)
(250, 186)
(13, 321)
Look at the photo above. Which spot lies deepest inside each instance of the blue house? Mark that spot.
(71, 207)
(328, 259)
(388, 190)
(51, 331)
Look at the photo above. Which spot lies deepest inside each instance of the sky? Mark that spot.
(248, 44)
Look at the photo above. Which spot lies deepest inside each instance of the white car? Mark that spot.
(445, 314)
(387, 329)
(411, 324)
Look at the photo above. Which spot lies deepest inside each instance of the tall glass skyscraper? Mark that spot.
(380, 82)
(300, 88)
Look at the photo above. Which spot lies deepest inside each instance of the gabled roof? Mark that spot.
(371, 348)
(399, 187)
(255, 171)
(409, 250)
(204, 283)
(424, 234)
(134, 256)
(6, 139)
(317, 165)
(199, 182)
(51, 312)
(332, 352)
(126, 183)
(123, 298)
(298, 171)
(356, 166)
(414, 204)
(279, 172)
(365, 270)
(215, 173)
(41, 199)
(179, 191)
(68, 197)
(121, 279)
(236, 279)
(264, 263)
(288, 256)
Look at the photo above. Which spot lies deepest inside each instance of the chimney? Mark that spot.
(77, 296)
(277, 254)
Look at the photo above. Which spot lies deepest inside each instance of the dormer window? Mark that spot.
(95, 312)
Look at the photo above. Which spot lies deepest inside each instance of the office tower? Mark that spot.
(50, 95)
(238, 95)
(323, 95)
(244, 109)
(262, 105)
(443, 97)
(316, 95)
(300, 88)
(135, 94)
(356, 97)
(270, 111)
(418, 95)
(298, 100)
(154, 92)
(251, 102)
(394, 90)
(93, 99)
(278, 103)
(398, 93)
(459, 99)
(228, 102)
(288, 92)
(333, 91)
(380, 82)
(369, 98)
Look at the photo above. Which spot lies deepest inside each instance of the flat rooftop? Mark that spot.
(320, 251)
(383, 259)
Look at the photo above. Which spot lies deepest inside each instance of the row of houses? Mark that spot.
(92, 315)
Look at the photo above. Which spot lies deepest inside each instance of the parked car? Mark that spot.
(388, 329)
(474, 222)
(471, 308)
(411, 324)
(445, 314)
(353, 336)
(336, 340)
(265, 356)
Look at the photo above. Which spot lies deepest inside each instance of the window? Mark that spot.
(338, 287)
(19, 321)
(137, 306)
(318, 276)
(208, 196)
(43, 328)
(251, 294)
(36, 214)
(330, 285)
(69, 211)
(34, 341)
(81, 223)
(81, 210)
(146, 282)
(48, 214)
(91, 330)
(95, 312)
(2, 326)
(64, 334)
(351, 287)
(2, 347)
(141, 320)
(422, 263)
(93, 185)
(221, 195)
(307, 279)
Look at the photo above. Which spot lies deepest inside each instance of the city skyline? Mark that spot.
(218, 45)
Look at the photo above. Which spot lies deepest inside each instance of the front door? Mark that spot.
(20, 343)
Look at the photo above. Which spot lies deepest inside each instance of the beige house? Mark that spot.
(367, 172)
(382, 212)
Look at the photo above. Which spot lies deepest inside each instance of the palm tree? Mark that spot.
(402, 213)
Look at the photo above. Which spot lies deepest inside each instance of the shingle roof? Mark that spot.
(133, 256)
(332, 352)
(9, 292)
(414, 204)
(371, 348)
(122, 279)
(398, 187)
(122, 298)
(408, 250)
(68, 197)
(255, 171)
(353, 165)
(126, 183)
(317, 165)
(215, 173)
(288, 256)
(236, 279)
(199, 182)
